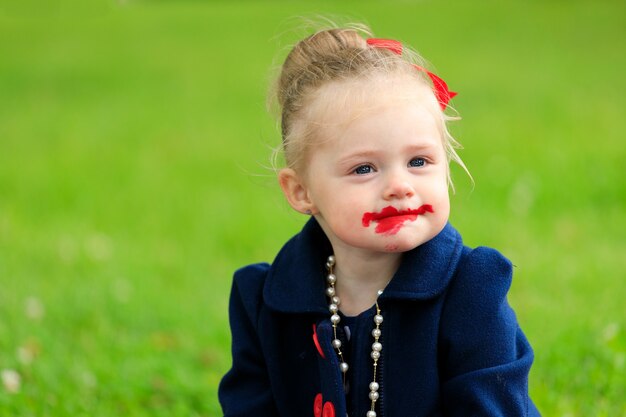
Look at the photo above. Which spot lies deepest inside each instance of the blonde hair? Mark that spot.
(334, 55)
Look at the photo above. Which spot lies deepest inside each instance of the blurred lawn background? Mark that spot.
(134, 146)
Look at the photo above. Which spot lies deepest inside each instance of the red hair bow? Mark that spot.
(440, 87)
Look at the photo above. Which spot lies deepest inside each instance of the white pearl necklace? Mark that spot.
(333, 307)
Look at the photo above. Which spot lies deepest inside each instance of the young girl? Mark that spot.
(376, 308)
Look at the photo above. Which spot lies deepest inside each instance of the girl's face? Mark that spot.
(379, 181)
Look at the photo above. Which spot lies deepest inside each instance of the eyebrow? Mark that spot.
(364, 154)
(426, 146)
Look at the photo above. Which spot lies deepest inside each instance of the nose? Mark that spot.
(398, 188)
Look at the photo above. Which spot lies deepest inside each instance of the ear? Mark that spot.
(296, 191)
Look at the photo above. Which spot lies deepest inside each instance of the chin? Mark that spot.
(393, 248)
(402, 245)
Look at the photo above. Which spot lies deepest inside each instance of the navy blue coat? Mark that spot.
(451, 343)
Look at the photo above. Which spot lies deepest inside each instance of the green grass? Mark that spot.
(134, 146)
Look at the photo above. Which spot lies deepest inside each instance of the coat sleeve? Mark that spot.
(485, 357)
(245, 390)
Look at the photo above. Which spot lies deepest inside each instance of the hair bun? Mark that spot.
(317, 58)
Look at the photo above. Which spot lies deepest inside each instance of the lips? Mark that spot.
(392, 212)
(390, 219)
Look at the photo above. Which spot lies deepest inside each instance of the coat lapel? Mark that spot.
(296, 284)
(426, 271)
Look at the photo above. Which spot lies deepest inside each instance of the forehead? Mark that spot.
(338, 104)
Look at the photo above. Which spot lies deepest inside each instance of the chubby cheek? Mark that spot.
(438, 196)
(442, 211)
(438, 219)
(343, 220)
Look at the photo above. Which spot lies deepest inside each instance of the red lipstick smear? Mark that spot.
(390, 219)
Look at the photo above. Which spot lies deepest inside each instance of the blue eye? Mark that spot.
(417, 162)
(363, 169)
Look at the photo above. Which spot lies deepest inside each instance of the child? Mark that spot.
(375, 308)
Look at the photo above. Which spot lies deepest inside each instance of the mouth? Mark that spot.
(390, 219)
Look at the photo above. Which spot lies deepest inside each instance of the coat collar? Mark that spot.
(296, 280)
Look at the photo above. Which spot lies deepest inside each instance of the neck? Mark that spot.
(360, 275)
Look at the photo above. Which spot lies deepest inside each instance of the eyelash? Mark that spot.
(422, 162)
